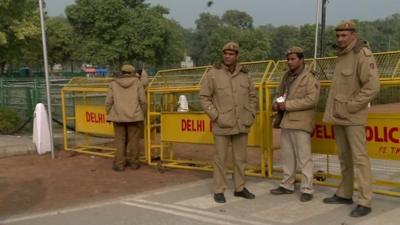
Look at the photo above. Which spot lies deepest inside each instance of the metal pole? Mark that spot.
(46, 73)
(322, 38)
(316, 30)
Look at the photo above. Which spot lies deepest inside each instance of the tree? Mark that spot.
(206, 25)
(111, 32)
(253, 44)
(60, 40)
(307, 39)
(237, 19)
(19, 31)
(283, 38)
(212, 33)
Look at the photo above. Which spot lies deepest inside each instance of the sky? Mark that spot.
(275, 12)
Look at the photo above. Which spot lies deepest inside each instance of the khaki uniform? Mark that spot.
(355, 83)
(229, 99)
(126, 106)
(297, 124)
(144, 78)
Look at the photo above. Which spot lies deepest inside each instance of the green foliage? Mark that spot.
(19, 31)
(383, 34)
(237, 19)
(111, 32)
(9, 120)
(282, 38)
(206, 25)
(60, 40)
(213, 32)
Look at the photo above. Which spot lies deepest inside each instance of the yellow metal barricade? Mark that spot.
(382, 129)
(84, 114)
(183, 139)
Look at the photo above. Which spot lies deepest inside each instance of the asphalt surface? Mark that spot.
(192, 203)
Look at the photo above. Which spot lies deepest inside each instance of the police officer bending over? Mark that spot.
(126, 106)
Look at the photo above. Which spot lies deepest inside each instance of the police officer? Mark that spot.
(126, 106)
(354, 84)
(228, 97)
(297, 98)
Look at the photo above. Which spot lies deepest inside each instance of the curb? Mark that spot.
(14, 150)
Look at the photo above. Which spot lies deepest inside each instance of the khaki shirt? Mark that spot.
(229, 99)
(301, 102)
(126, 100)
(354, 84)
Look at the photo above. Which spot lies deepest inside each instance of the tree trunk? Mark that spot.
(2, 68)
(72, 66)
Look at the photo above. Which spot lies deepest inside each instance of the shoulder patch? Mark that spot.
(366, 52)
(313, 72)
(372, 66)
(244, 70)
(217, 66)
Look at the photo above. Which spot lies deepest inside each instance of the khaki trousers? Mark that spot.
(239, 157)
(353, 156)
(127, 136)
(296, 152)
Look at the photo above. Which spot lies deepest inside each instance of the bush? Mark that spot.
(9, 120)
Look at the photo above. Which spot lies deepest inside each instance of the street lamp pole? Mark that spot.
(316, 30)
(46, 72)
(322, 38)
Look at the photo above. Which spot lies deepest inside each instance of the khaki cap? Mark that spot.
(346, 25)
(294, 50)
(233, 46)
(128, 68)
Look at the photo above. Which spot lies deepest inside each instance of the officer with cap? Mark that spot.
(298, 95)
(126, 106)
(355, 83)
(228, 97)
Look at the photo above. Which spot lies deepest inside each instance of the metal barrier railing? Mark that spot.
(382, 129)
(169, 132)
(183, 140)
(83, 109)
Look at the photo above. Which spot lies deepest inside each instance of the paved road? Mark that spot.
(192, 203)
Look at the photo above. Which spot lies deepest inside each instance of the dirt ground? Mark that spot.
(34, 183)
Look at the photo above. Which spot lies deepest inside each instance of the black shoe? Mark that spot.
(360, 211)
(337, 200)
(219, 198)
(281, 191)
(305, 197)
(244, 194)
(134, 166)
(118, 169)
